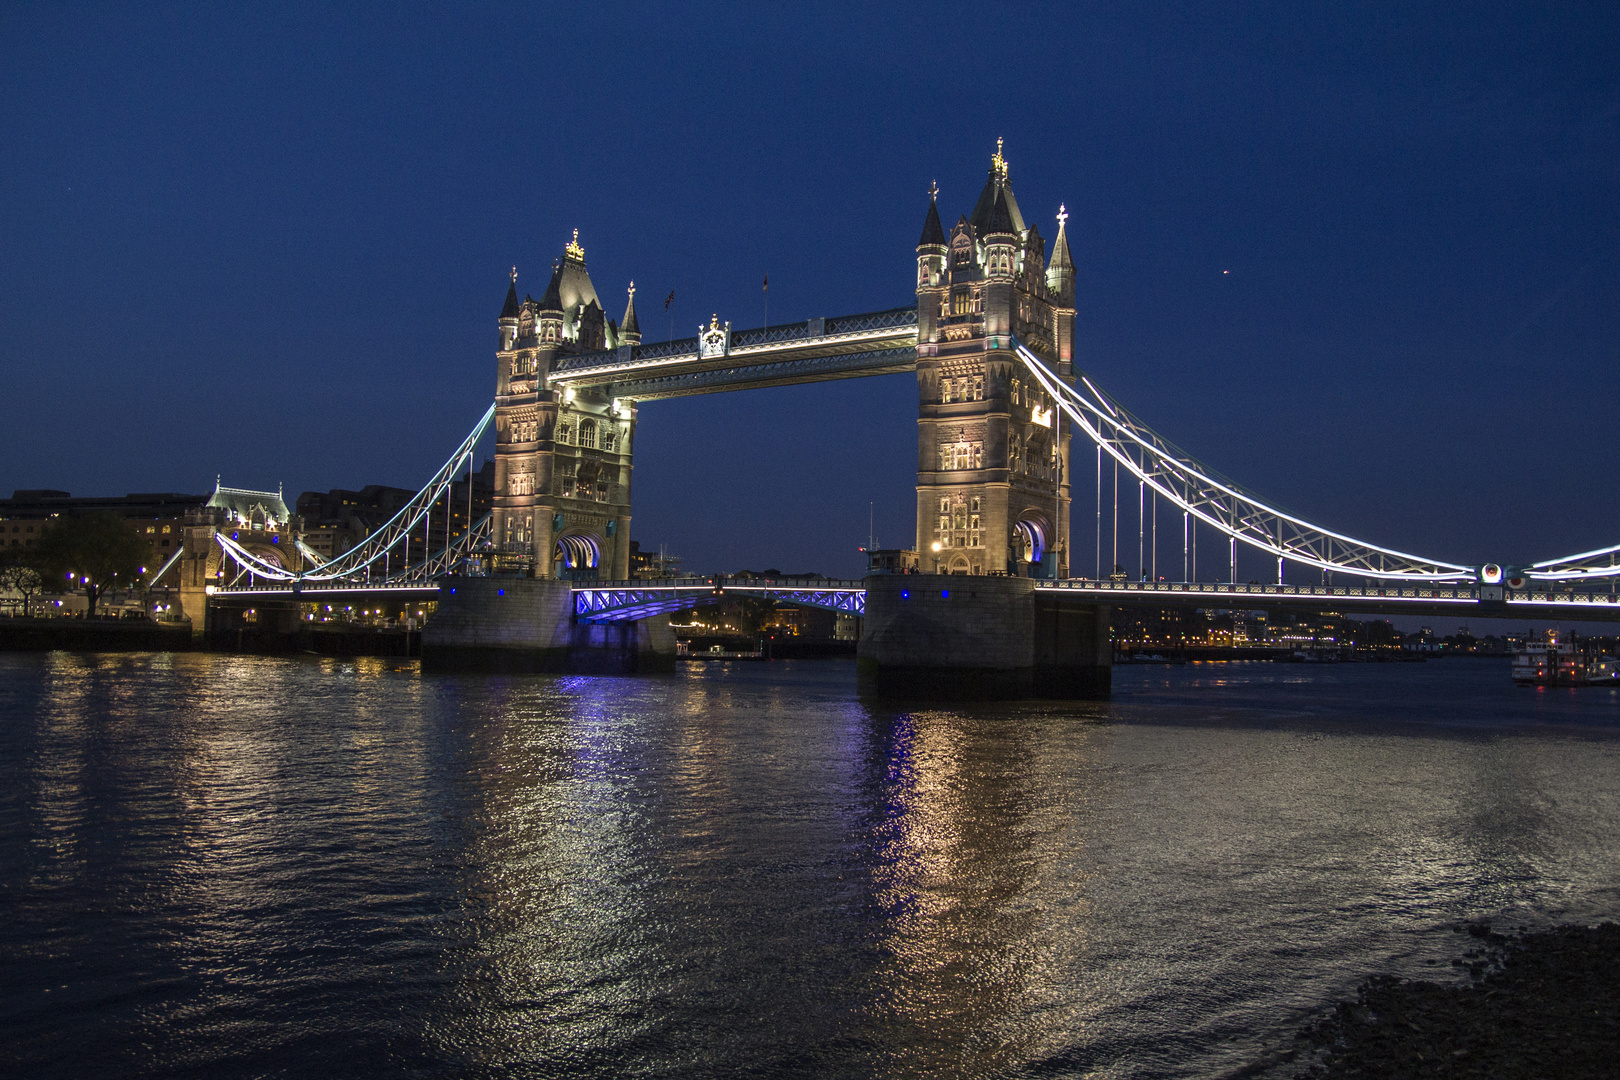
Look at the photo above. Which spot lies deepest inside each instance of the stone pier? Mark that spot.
(948, 637)
(517, 624)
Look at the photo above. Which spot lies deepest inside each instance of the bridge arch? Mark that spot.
(576, 555)
(1029, 537)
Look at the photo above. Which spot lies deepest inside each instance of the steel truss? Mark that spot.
(769, 373)
(626, 601)
(745, 349)
(1220, 502)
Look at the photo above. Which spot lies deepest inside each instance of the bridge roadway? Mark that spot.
(625, 601)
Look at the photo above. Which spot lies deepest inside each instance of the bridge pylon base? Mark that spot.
(526, 625)
(952, 638)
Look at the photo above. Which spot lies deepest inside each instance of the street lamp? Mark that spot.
(936, 556)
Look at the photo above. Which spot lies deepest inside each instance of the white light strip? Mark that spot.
(1077, 406)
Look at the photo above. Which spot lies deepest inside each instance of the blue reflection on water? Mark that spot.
(247, 866)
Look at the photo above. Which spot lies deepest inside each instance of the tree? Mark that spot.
(18, 573)
(96, 552)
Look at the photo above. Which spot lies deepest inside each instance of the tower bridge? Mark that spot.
(1001, 403)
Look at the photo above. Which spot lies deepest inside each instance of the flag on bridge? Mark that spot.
(670, 299)
(767, 286)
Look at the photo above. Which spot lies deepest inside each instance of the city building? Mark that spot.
(652, 565)
(157, 516)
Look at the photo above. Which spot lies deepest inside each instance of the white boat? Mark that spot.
(1557, 661)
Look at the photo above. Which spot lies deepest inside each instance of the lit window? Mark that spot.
(587, 433)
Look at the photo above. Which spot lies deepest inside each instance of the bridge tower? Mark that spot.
(562, 456)
(992, 450)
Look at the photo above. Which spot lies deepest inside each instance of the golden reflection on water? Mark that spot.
(971, 819)
(750, 871)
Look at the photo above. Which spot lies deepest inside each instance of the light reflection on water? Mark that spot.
(235, 866)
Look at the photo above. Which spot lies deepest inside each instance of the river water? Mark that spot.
(231, 866)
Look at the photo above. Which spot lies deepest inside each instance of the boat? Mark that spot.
(1559, 661)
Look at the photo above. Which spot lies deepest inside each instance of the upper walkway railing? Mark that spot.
(873, 343)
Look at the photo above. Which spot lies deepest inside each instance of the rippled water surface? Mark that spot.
(233, 866)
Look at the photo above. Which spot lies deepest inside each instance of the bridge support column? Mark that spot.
(1074, 652)
(947, 637)
(500, 624)
(511, 624)
(642, 647)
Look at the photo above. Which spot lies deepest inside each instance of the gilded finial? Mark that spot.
(514, 275)
(573, 249)
(1062, 215)
(998, 164)
(933, 190)
(632, 288)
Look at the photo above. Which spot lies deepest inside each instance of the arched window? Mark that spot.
(587, 433)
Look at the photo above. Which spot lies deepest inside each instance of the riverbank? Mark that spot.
(1540, 1005)
(18, 634)
(142, 635)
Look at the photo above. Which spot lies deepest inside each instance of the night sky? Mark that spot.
(1362, 258)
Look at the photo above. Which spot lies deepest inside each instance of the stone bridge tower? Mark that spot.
(992, 448)
(562, 457)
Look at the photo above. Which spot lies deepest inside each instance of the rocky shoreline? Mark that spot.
(1540, 1005)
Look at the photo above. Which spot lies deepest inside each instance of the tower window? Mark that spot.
(961, 455)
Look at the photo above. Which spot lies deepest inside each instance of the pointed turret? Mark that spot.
(552, 300)
(1060, 271)
(999, 220)
(510, 309)
(511, 312)
(933, 234)
(630, 329)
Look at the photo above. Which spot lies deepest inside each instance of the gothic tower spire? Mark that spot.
(630, 330)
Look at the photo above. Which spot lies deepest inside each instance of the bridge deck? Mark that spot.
(616, 601)
(1389, 598)
(846, 347)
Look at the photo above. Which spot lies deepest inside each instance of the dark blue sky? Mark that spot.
(271, 243)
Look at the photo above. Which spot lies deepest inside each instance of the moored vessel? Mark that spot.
(1557, 660)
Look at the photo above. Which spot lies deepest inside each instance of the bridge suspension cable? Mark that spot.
(1602, 563)
(1221, 503)
(363, 557)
